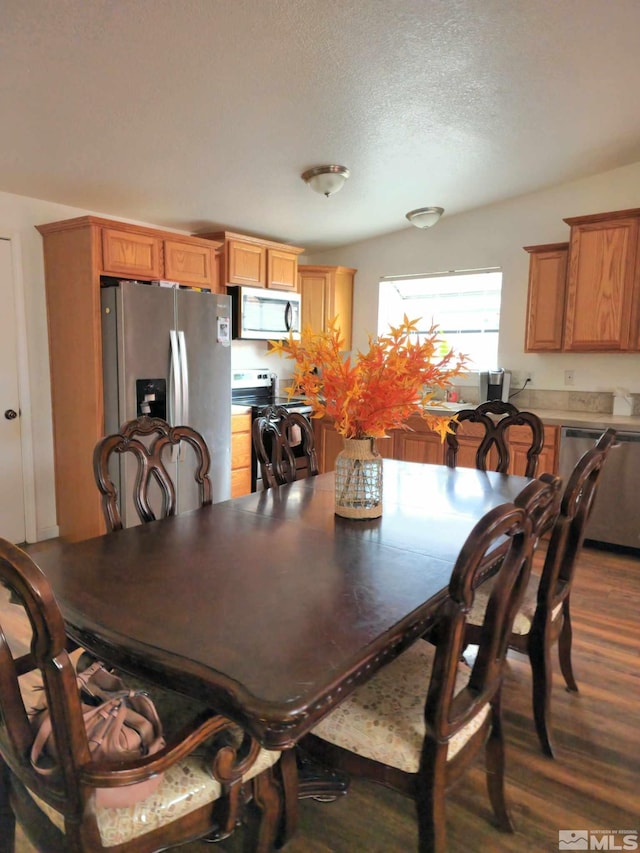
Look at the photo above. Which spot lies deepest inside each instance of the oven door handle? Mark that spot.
(288, 316)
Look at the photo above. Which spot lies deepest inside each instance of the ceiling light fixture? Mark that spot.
(425, 217)
(326, 179)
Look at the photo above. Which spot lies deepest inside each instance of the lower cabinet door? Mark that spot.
(240, 455)
(418, 447)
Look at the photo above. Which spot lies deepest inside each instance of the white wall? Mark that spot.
(493, 237)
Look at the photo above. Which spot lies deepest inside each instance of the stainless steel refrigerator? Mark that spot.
(166, 353)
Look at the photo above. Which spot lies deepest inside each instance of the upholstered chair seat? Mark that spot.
(186, 786)
(524, 617)
(384, 718)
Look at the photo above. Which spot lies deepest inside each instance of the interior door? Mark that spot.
(12, 510)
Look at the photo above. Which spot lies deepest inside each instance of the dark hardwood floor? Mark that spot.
(594, 782)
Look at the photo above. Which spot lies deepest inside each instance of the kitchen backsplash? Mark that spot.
(568, 401)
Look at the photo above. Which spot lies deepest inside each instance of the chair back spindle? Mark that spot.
(496, 417)
(284, 445)
(147, 440)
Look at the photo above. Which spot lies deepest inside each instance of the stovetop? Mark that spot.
(258, 388)
(259, 398)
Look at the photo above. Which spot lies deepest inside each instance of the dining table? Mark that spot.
(270, 607)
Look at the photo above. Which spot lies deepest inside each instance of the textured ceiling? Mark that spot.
(195, 114)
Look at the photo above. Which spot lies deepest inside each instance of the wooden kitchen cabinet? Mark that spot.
(145, 254)
(255, 262)
(469, 437)
(240, 454)
(131, 254)
(546, 297)
(327, 292)
(421, 444)
(189, 263)
(519, 438)
(603, 283)
(329, 443)
(77, 252)
(246, 263)
(282, 269)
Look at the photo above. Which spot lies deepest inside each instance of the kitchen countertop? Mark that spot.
(595, 420)
(550, 417)
(567, 417)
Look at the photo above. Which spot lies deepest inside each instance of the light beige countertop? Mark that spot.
(565, 417)
(595, 420)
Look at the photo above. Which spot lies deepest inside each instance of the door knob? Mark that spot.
(10, 414)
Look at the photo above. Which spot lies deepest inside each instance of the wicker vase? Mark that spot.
(359, 479)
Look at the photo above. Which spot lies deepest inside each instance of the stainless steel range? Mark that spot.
(257, 389)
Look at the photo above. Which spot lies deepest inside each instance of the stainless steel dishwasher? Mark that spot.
(615, 517)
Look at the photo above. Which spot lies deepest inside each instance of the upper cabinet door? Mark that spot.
(339, 303)
(282, 269)
(546, 298)
(327, 294)
(602, 283)
(131, 254)
(246, 263)
(188, 264)
(313, 292)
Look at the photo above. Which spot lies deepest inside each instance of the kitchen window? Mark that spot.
(465, 305)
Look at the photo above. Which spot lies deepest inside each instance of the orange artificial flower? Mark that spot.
(394, 379)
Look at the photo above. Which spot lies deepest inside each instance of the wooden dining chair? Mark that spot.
(211, 769)
(421, 720)
(284, 446)
(496, 417)
(544, 616)
(150, 457)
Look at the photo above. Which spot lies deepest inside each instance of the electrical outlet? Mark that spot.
(520, 378)
(569, 377)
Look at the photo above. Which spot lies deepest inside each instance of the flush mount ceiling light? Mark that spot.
(326, 179)
(425, 217)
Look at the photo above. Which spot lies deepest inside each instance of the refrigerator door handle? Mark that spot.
(175, 388)
(184, 372)
(175, 383)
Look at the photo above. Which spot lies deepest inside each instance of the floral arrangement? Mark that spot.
(394, 379)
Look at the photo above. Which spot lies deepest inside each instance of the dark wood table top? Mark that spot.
(269, 606)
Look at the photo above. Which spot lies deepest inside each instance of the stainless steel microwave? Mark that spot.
(262, 314)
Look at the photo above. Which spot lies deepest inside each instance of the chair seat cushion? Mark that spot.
(524, 617)
(384, 718)
(186, 786)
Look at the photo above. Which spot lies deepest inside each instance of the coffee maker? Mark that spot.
(494, 384)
